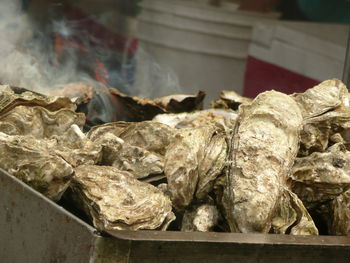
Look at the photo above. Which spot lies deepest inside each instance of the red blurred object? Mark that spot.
(261, 76)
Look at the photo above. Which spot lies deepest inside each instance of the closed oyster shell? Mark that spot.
(263, 149)
(325, 111)
(229, 99)
(220, 118)
(11, 97)
(291, 217)
(31, 161)
(117, 201)
(181, 102)
(202, 218)
(76, 148)
(212, 164)
(138, 161)
(193, 160)
(150, 135)
(340, 215)
(321, 177)
(324, 97)
(38, 121)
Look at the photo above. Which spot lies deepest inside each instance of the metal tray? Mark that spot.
(35, 229)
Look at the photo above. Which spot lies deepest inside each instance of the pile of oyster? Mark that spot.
(276, 164)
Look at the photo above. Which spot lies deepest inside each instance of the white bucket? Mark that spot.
(205, 46)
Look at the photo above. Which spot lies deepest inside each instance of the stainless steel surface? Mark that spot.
(34, 229)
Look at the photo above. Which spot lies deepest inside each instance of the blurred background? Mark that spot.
(152, 48)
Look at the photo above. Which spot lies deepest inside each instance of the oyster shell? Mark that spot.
(291, 217)
(11, 97)
(263, 149)
(230, 100)
(138, 161)
(340, 215)
(149, 135)
(74, 147)
(32, 161)
(321, 177)
(117, 201)
(193, 160)
(181, 102)
(324, 97)
(220, 118)
(201, 218)
(38, 121)
(142, 109)
(325, 111)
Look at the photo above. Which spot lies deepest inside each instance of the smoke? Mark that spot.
(29, 59)
(28, 56)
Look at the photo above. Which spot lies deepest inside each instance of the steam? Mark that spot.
(27, 55)
(28, 58)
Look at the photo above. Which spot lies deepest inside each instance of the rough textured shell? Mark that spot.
(38, 121)
(117, 201)
(10, 97)
(76, 149)
(221, 118)
(326, 96)
(340, 215)
(193, 160)
(29, 160)
(321, 177)
(291, 217)
(150, 135)
(230, 100)
(138, 161)
(263, 150)
(201, 218)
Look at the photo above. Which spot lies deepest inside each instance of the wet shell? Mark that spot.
(291, 217)
(263, 149)
(117, 201)
(30, 160)
(39, 122)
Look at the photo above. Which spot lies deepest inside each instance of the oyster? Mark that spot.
(230, 100)
(263, 149)
(33, 162)
(340, 215)
(11, 97)
(181, 102)
(322, 98)
(201, 218)
(325, 111)
(134, 108)
(138, 161)
(291, 217)
(74, 147)
(220, 118)
(321, 177)
(150, 135)
(193, 160)
(38, 121)
(142, 109)
(117, 201)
